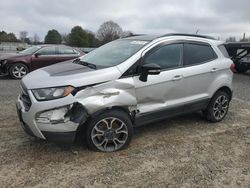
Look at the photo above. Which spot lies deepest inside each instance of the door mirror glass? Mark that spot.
(149, 69)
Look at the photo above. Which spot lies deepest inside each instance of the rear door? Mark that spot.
(44, 57)
(201, 66)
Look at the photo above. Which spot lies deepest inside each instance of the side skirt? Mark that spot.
(146, 118)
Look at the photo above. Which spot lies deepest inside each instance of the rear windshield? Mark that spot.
(224, 51)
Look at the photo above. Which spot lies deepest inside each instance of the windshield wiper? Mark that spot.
(84, 63)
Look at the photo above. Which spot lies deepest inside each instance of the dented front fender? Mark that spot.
(107, 95)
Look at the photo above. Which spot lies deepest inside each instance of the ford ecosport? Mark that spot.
(129, 82)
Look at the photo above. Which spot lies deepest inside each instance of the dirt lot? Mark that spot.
(181, 152)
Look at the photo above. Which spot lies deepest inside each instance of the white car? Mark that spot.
(126, 83)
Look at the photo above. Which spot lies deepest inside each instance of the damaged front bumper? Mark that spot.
(3, 68)
(44, 121)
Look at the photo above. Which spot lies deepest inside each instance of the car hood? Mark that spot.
(68, 73)
(10, 55)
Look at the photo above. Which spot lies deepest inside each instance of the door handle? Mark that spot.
(214, 70)
(177, 77)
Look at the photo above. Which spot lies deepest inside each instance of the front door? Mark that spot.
(44, 57)
(166, 89)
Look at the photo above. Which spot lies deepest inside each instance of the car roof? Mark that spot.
(47, 45)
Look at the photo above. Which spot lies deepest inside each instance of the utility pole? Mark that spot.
(244, 37)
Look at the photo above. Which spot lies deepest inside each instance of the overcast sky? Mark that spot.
(219, 18)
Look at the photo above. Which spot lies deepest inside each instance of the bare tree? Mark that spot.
(109, 31)
(36, 39)
(23, 35)
(127, 33)
(231, 39)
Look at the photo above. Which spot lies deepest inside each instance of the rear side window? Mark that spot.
(224, 51)
(48, 51)
(66, 50)
(197, 54)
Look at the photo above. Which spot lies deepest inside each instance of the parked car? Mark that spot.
(239, 53)
(129, 82)
(36, 57)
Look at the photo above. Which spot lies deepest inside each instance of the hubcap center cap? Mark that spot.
(109, 134)
(220, 107)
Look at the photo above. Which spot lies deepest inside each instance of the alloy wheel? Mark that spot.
(220, 107)
(19, 71)
(109, 134)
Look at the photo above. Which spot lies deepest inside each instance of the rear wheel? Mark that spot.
(19, 70)
(110, 131)
(218, 107)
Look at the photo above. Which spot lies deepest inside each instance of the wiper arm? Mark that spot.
(84, 63)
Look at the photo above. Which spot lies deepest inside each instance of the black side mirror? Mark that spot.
(37, 55)
(149, 69)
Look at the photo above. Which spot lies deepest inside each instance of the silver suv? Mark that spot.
(129, 82)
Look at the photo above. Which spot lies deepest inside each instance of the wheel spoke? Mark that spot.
(96, 135)
(116, 145)
(120, 141)
(100, 144)
(118, 129)
(105, 145)
(119, 132)
(99, 130)
(111, 123)
(107, 123)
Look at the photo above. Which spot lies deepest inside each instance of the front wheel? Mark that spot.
(218, 107)
(110, 131)
(19, 70)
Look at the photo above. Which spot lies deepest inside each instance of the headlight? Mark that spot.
(52, 93)
(3, 62)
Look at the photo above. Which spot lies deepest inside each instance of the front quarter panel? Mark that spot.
(120, 93)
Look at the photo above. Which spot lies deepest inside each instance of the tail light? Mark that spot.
(232, 68)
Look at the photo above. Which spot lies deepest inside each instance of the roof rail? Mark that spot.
(133, 35)
(188, 35)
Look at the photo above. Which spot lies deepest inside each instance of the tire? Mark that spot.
(109, 132)
(218, 107)
(18, 70)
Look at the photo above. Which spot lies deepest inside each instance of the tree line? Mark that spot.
(77, 37)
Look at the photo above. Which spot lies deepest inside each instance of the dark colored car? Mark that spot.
(36, 57)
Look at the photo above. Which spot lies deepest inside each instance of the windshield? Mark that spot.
(30, 50)
(113, 53)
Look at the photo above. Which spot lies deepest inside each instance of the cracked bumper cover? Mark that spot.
(45, 121)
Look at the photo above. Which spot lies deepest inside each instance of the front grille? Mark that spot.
(25, 98)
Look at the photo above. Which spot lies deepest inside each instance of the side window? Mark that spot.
(168, 56)
(48, 51)
(224, 51)
(197, 53)
(66, 50)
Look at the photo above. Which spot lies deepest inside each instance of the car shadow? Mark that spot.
(184, 122)
(5, 78)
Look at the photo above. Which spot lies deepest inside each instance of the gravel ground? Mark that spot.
(182, 152)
